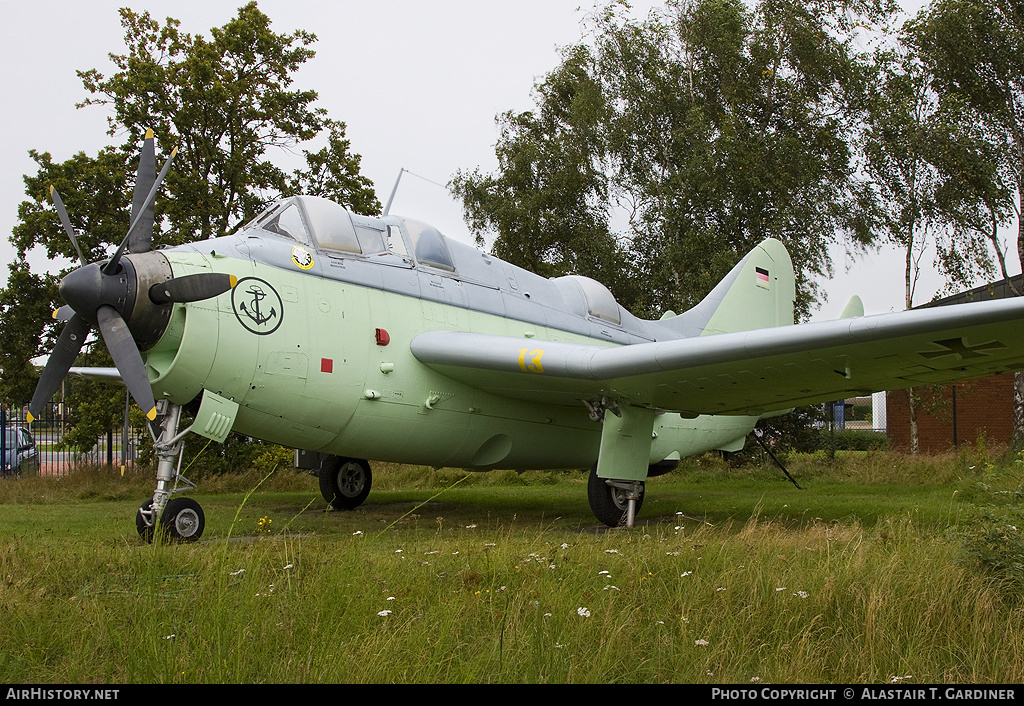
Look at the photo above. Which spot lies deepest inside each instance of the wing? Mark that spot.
(104, 374)
(749, 372)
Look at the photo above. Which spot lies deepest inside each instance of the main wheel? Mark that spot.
(345, 482)
(609, 503)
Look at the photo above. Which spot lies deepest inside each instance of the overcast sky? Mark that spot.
(418, 84)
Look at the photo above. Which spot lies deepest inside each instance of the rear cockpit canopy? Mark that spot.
(586, 296)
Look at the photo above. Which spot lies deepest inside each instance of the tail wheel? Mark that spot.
(610, 503)
(345, 482)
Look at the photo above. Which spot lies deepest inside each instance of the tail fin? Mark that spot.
(757, 293)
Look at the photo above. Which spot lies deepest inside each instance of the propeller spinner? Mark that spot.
(128, 297)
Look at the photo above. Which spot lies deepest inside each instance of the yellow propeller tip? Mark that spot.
(151, 414)
(54, 314)
(174, 151)
(29, 417)
(149, 134)
(234, 281)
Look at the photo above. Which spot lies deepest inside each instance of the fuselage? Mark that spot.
(313, 343)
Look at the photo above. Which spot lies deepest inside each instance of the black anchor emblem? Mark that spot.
(257, 306)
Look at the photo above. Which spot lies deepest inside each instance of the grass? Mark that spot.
(732, 575)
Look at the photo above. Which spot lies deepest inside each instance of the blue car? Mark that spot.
(18, 454)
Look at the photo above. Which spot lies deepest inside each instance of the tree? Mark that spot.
(974, 51)
(549, 201)
(711, 125)
(225, 101)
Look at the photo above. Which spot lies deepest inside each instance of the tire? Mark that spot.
(609, 504)
(183, 520)
(345, 482)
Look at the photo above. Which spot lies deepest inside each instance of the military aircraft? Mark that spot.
(350, 338)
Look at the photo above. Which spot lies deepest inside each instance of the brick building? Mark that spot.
(949, 416)
(953, 415)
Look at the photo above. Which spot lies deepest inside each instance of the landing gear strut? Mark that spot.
(614, 502)
(181, 519)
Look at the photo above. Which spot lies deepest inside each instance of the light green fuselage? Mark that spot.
(324, 380)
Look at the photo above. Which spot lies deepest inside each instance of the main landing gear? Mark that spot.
(180, 519)
(614, 502)
(345, 482)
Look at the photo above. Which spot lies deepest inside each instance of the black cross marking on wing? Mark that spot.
(959, 348)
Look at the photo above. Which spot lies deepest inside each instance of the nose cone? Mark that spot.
(81, 289)
(87, 289)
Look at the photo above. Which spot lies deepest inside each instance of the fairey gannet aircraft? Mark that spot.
(355, 338)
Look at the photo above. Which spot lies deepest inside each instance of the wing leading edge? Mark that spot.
(748, 372)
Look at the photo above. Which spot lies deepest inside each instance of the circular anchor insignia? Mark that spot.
(257, 305)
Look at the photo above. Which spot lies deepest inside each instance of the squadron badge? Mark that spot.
(302, 258)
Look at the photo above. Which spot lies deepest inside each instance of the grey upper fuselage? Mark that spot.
(427, 265)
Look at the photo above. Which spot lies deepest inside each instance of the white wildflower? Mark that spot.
(384, 613)
(583, 612)
(701, 643)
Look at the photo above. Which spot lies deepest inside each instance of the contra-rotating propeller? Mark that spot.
(107, 294)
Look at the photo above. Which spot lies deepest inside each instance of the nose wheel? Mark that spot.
(182, 520)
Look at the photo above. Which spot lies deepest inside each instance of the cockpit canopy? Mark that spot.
(329, 228)
(320, 223)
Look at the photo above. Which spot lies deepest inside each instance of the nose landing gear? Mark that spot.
(180, 519)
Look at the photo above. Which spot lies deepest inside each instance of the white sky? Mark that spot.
(418, 84)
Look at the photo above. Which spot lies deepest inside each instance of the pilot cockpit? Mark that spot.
(321, 223)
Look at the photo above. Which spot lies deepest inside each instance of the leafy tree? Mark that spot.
(225, 100)
(549, 201)
(711, 125)
(974, 51)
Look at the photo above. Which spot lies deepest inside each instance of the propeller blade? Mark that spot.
(145, 175)
(111, 267)
(192, 288)
(63, 214)
(126, 357)
(64, 313)
(69, 343)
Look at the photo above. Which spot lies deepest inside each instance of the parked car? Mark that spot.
(18, 453)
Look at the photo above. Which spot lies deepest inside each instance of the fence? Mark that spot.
(117, 448)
